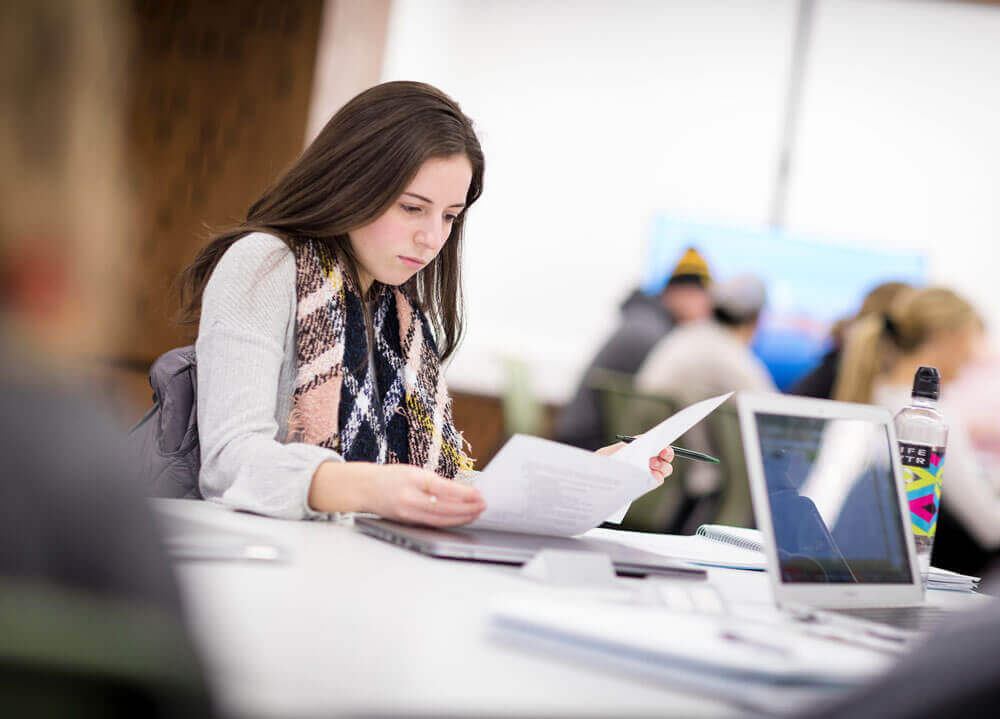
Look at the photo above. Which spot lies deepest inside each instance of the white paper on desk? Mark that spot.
(691, 548)
(539, 486)
(649, 443)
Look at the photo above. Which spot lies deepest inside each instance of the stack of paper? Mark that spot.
(721, 546)
(946, 579)
(747, 538)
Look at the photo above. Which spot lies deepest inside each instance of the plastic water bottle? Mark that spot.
(923, 435)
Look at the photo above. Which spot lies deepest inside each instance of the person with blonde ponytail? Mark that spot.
(934, 327)
(820, 380)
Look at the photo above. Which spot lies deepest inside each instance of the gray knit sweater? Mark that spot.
(246, 378)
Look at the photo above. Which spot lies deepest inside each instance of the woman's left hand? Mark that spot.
(660, 465)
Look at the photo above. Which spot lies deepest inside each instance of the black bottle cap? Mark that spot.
(927, 383)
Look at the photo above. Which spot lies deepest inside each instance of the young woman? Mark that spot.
(937, 328)
(324, 316)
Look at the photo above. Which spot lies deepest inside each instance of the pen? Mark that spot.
(678, 451)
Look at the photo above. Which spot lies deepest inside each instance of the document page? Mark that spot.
(539, 486)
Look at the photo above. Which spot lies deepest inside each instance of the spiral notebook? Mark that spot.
(714, 551)
(737, 536)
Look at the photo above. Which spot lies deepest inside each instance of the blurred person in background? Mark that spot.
(707, 358)
(645, 320)
(933, 327)
(819, 382)
(711, 356)
(92, 616)
(976, 396)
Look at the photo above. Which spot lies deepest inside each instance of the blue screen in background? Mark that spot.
(810, 284)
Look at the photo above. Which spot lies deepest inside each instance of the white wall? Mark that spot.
(349, 56)
(595, 115)
(900, 140)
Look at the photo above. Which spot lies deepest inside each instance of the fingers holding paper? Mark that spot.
(659, 465)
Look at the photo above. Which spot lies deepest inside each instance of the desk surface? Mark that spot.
(352, 625)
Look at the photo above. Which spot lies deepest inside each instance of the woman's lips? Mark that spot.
(411, 262)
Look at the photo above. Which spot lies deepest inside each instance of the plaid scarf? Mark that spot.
(335, 404)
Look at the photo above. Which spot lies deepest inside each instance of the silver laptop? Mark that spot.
(828, 498)
(513, 548)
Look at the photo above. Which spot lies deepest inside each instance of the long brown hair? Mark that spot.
(875, 341)
(349, 175)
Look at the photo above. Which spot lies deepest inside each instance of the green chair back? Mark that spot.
(734, 508)
(628, 411)
(522, 412)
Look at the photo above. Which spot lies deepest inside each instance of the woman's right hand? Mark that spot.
(419, 496)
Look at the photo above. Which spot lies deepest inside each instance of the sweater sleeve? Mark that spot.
(247, 318)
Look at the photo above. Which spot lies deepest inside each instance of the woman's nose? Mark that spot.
(432, 236)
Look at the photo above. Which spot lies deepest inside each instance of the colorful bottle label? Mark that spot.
(922, 465)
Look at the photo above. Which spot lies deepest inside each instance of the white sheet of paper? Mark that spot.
(539, 486)
(649, 443)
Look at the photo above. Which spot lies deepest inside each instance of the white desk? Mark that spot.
(352, 625)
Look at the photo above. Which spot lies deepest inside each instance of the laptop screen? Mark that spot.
(833, 500)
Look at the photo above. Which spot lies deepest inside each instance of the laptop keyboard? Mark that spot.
(916, 619)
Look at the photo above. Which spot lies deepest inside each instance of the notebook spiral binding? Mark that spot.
(718, 533)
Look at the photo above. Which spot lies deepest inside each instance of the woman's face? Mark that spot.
(409, 235)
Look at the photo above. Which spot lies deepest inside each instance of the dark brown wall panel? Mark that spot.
(480, 419)
(218, 107)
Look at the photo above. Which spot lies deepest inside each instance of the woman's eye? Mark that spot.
(450, 218)
(410, 209)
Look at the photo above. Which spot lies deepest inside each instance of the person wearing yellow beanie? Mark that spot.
(685, 295)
